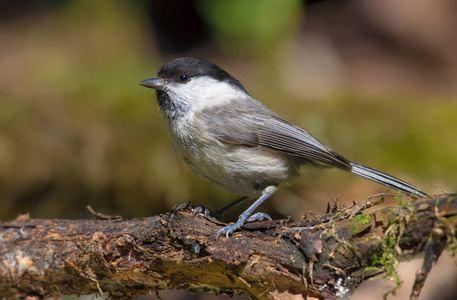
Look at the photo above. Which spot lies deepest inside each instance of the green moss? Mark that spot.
(450, 199)
(388, 262)
(371, 238)
(359, 223)
(364, 219)
(451, 247)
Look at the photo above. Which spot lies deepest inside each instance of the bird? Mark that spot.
(236, 142)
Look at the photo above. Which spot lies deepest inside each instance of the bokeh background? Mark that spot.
(375, 80)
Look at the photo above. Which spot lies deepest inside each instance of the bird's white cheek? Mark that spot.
(205, 93)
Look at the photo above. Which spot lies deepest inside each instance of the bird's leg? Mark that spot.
(219, 212)
(247, 215)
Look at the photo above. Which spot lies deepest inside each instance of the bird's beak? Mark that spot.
(153, 83)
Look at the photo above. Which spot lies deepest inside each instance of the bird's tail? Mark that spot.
(385, 179)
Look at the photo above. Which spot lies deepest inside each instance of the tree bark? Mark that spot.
(326, 257)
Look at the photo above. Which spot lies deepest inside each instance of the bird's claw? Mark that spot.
(206, 212)
(229, 229)
(201, 210)
(258, 217)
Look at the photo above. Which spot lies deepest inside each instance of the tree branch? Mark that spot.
(266, 260)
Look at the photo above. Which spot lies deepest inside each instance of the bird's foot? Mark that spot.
(242, 219)
(258, 217)
(206, 212)
(229, 229)
(219, 212)
(201, 210)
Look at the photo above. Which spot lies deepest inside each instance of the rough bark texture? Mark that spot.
(265, 260)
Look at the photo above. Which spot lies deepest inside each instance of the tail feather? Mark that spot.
(385, 179)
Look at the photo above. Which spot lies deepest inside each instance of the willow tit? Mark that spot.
(234, 141)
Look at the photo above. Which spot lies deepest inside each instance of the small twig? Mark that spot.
(100, 216)
(432, 251)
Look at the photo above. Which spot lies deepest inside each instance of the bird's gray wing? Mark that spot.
(271, 131)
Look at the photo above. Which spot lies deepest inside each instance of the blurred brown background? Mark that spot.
(375, 80)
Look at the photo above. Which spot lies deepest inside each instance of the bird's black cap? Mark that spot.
(195, 67)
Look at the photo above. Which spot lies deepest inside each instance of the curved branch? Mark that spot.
(266, 260)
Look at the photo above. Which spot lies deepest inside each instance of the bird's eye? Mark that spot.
(183, 78)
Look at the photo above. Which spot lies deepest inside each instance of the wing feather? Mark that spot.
(270, 131)
(279, 134)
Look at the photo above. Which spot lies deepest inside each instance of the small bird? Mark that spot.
(232, 140)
